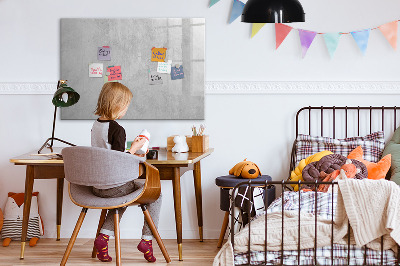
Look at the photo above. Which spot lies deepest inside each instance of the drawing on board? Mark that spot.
(140, 48)
(155, 78)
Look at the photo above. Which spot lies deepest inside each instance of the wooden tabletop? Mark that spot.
(164, 157)
(168, 157)
(44, 158)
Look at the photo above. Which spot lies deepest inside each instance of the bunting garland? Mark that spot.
(361, 37)
(332, 41)
(237, 9)
(213, 2)
(281, 31)
(306, 39)
(389, 30)
(256, 27)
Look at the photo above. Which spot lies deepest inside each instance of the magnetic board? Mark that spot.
(130, 43)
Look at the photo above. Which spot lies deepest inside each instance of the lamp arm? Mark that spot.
(54, 126)
(54, 118)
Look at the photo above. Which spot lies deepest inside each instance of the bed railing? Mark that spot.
(265, 185)
(346, 109)
(345, 118)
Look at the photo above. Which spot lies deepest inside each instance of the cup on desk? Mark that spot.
(152, 155)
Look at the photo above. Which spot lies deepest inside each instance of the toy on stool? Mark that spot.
(13, 215)
(245, 169)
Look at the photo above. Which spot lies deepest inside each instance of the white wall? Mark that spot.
(259, 127)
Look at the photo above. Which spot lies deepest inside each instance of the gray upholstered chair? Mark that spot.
(85, 167)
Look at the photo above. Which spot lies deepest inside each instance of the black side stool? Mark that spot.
(226, 183)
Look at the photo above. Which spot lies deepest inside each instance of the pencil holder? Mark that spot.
(200, 143)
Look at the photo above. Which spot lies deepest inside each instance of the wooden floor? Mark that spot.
(50, 252)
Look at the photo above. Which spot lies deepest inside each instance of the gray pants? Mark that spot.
(154, 208)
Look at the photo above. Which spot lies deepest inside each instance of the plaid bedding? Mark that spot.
(372, 145)
(323, 207)
(324, 257)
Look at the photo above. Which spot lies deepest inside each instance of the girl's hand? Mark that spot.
(137, 144)
(143, 155)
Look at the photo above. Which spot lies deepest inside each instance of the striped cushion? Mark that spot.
(372, 145)
(13, 228)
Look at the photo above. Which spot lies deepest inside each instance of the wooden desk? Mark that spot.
(40, 167)
(168, 164)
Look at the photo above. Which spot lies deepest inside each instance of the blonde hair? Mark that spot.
(113, 98)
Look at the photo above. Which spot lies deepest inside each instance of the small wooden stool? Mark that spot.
(226, 183)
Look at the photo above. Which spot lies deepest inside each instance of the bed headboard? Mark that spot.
(344, 121)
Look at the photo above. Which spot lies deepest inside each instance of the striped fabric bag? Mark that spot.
(13, 215)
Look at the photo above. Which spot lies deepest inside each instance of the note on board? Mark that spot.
(104, 53)
(177, 73)
(155, 78)
(105, 78)
(164, 67)
(158, 54)
(115, 73)
(95, 70)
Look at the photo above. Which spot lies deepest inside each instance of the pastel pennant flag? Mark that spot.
(361, 37)
(213, 2)
(281, 31)
(237, 9)
(332, 41)
(389, 30)
(306, 39)
(256, 28)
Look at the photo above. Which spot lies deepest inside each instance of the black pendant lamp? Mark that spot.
(273, 11)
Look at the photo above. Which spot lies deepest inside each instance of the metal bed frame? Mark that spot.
(284, 183)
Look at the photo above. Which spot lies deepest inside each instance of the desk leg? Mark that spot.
(60, 190)
(199, 204)
(176, 182)
(27, 206)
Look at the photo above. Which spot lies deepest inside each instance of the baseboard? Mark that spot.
(247, 87)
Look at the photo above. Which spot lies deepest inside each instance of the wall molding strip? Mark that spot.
(303, 87)
(248, 87)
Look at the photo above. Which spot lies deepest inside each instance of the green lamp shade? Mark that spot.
(65, 96)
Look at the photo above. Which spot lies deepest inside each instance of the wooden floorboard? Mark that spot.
(50, 252)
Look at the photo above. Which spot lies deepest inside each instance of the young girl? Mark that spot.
(113, 102)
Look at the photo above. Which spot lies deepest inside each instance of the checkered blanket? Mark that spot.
(307, 202)
(324, 206)
(324, 257)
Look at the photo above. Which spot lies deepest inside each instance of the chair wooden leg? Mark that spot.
(117, 239)
(101, 222)
(154, 230)
(73, 237)
(223, 229)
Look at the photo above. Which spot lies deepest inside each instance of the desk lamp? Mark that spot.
(273, 11)
(64, 97)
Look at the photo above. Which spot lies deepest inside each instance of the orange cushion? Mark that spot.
(375, 170)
